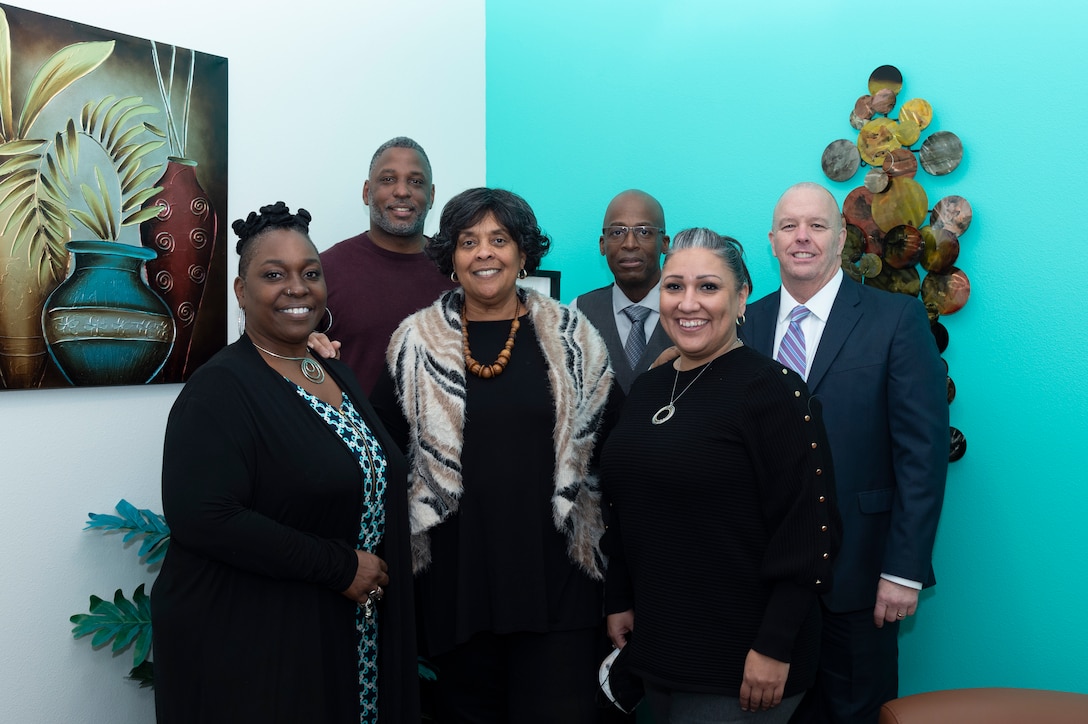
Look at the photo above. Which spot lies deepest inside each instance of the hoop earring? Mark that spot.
(326, 329)
(741, 320)
(241, 321)
(453, 277)
(522, 274)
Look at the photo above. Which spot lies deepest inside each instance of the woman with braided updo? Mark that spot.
(286, 595)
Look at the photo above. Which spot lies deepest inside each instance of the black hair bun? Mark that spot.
(272, 216)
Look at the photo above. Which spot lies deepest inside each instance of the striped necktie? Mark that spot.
(791, 351)
(636, 340)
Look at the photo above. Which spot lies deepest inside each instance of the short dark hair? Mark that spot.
(726, 248)
(467, 209)
(401, 142)
(267, 218)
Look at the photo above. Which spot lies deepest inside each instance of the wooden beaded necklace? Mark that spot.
(495, 368)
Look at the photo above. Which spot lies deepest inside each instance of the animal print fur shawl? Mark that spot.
(428, 369)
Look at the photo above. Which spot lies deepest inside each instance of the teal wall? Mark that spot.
(716, 106)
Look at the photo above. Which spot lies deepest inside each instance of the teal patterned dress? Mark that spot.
(349, 426)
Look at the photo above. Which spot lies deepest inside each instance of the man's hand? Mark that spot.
(894, 602)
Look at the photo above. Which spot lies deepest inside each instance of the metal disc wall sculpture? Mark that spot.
(891, 229)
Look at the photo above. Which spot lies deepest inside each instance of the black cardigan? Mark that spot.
(722, 523)
(264, 501)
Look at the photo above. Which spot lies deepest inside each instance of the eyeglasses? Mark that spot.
(616, 234)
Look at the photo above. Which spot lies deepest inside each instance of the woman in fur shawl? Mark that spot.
(499, 396)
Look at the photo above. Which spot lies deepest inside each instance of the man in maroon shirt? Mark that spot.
(379, 277)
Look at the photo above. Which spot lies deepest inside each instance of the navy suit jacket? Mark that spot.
(878, 374)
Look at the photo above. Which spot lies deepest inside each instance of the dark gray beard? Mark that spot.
(407, 228)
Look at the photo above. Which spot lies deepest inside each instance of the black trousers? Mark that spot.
(521, 678)
(859, 671)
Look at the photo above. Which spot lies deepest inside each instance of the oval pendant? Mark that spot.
(663, 415)
(312, 371)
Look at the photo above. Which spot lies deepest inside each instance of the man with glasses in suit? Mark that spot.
(626, 312)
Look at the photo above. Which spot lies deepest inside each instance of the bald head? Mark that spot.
(634, 258)
(818, 192)
(807, 236)
(648, 205)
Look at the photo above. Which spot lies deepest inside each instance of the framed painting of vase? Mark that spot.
(113, 187)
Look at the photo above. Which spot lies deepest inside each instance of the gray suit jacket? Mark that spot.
(597, 306)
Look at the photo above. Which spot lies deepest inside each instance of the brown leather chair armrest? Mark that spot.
(987, 706)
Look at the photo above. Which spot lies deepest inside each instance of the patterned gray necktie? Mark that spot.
(636, 340)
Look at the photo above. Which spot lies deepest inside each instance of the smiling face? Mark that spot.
(635, 261)
(487, 261)
(283, 292)
(399, 193)
(700, 305)
(807, 236)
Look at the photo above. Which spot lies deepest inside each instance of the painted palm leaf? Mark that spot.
(63, 68)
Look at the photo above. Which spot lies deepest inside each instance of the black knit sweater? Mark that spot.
(722, 523)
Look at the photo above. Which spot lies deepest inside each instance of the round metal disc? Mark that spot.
(918, 110)
(900, 281)
(903, 247)
(941, 153)
(854, 246)
(870, 266)
(876, 180)
(858, 210)
(952, 213)
(840, 160)
(957, 445)
(875, 139)
(863, 107)
(900, 162)
(949, 291)
(907, 131)
(942, 249)
(884, 100)
(886, 76)
(934, 314)
(940, 334)
(905, 202)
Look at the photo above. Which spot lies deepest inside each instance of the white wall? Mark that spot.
(351, 75)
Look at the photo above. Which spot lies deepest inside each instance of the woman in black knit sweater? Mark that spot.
(722, 515)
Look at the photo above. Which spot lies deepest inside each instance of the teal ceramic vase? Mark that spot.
(103, 325)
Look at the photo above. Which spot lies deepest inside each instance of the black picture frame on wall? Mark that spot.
(543, 281)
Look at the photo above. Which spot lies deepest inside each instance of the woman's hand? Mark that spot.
(369, 576)
(323, 346)
(619, 626)
(764, 681)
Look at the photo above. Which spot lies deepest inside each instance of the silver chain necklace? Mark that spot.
(665, 413)
(311, 370)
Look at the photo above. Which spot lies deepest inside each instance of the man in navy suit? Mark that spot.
(870, 358)
(632, 240)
